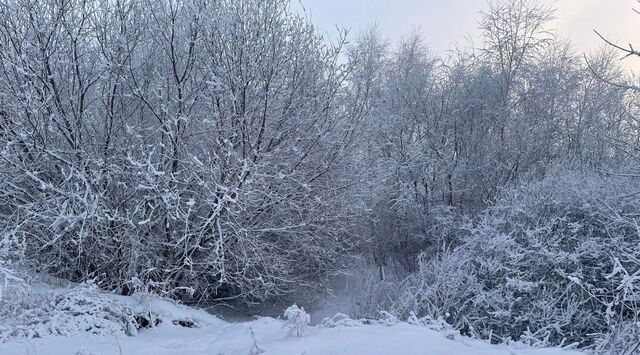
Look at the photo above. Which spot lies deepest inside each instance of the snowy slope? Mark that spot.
(215, 336)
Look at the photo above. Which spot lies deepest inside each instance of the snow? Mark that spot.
(235, 338)
(214, 336)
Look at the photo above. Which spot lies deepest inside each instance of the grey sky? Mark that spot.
(446, 22)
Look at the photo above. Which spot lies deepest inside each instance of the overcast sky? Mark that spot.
(446, 22)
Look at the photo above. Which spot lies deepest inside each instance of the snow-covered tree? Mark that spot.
(187, 146)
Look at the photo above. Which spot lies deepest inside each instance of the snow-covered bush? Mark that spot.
(389, 319)
(230, 185)
(340, 320)
(442, 286)
(371, 295)
(623, 338)
(13, 291)
(551, 262)
(12, 286)
(84, 309)
(255, 348)
(297, 320)
(76, 310)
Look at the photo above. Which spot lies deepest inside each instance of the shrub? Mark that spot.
(297, 320)
(551, 262)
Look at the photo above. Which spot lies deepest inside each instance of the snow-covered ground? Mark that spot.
(264, 335)
(228, 338)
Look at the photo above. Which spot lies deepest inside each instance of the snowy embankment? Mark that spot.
(157, 327)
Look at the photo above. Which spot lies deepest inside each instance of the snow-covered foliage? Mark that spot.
(13, 292)
(552, 262)
(68, 312)
(621, 339)
(297, 320)
(11, 285)
(340, 320)
(185, 147)
(446, 135)
(43, 311)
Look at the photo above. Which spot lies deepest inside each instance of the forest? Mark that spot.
(226, 151)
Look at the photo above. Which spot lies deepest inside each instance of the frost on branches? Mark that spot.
(138, 148)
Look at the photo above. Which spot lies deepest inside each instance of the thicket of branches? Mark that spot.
(448, 135)
(181, 146)
(225, 150)
(504, 184)
(551, 262)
